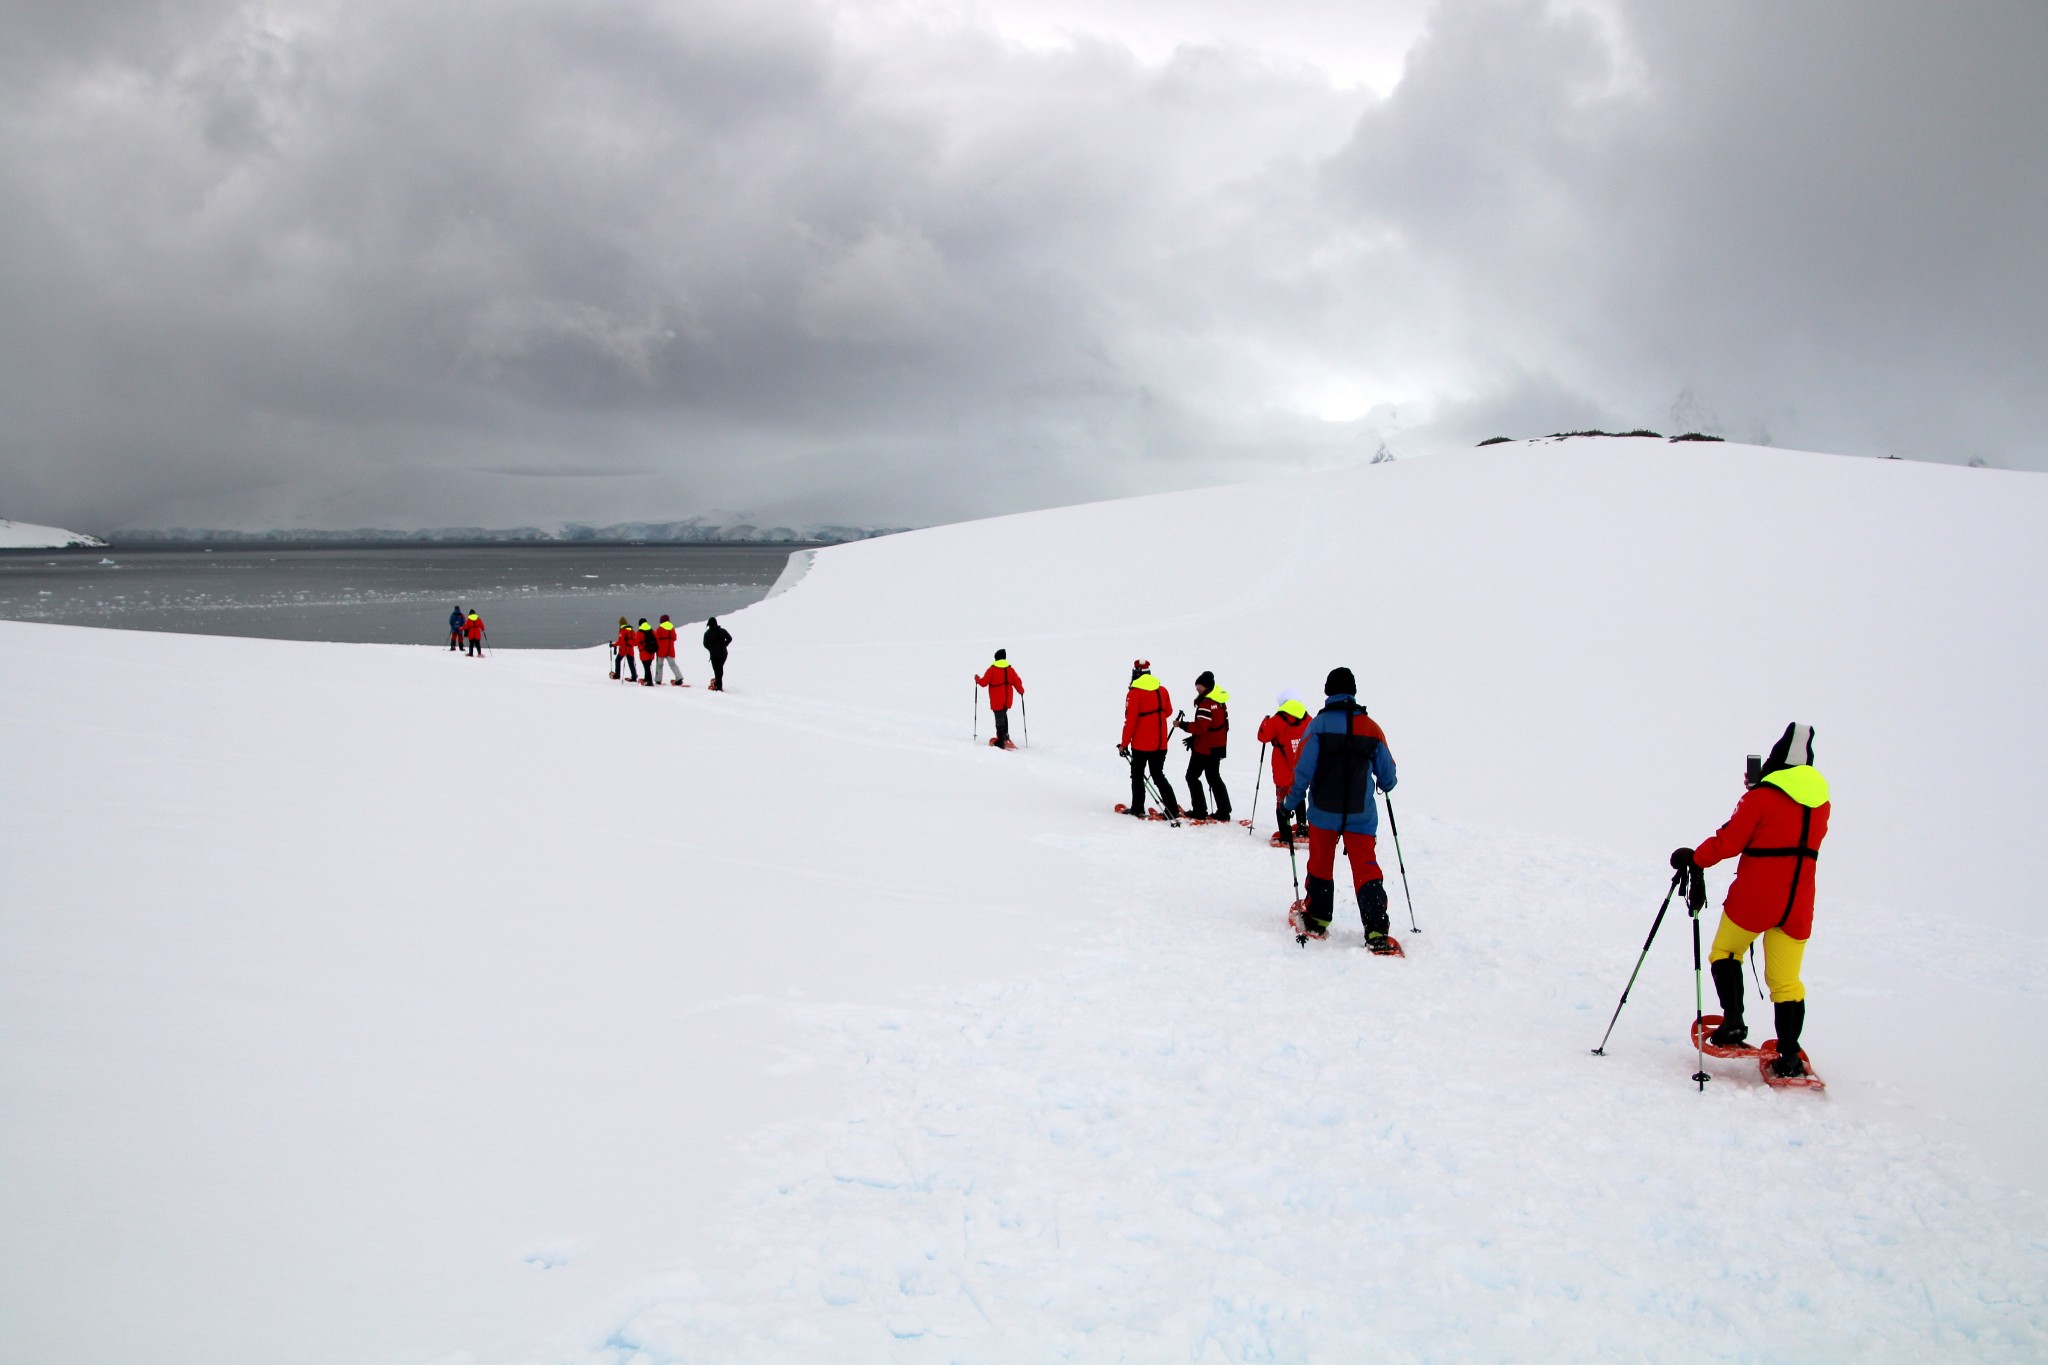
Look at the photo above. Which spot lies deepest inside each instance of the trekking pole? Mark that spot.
(1655, 924)
(1696, 900)
(1294, 870)
(1395, 825)
(1024, 703)
(1257, 778)
(976, 729)
(1152, 787)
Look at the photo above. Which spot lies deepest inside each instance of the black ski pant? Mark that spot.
(1211, 767)
(718, 671)
(632, 673)
(1154, 762)
(1003, 726)
(476, 648)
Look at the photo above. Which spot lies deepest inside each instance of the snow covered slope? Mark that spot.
(21, 535)
(373, 1004)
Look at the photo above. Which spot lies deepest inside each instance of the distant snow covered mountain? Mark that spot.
(692, 531)
(23, 535)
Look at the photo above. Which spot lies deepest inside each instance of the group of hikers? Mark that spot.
(466, 631)
(654, 648)
(1326, 769)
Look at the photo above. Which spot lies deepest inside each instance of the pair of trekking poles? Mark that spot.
(1023, 705)
(1393, 825)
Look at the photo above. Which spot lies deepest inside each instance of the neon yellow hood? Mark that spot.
(1294, 709)
(999, 663)
(1217, 694)
(1145, 683)
(1804, 785)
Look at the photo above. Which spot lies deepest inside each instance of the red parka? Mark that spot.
(1284, 730)
(665, 640)
(1148, 715)
(473, 626)
(1776, 828)
(1210, 729)
(644, 639)
(628, 638)
(1000, 680)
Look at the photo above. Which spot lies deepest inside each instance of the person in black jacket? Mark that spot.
(650, 644)
(716, 638)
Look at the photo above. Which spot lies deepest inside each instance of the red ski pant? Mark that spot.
(1361, 849)
(1782, 957)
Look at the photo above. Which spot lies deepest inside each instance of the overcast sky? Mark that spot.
(296, 262)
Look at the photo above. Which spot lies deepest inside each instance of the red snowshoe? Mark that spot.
(1001, 744)
(1387, 946)
(1150, 814)
(1279, 840)
(1702, 1039)
(1297, 920)
(1768, 1053)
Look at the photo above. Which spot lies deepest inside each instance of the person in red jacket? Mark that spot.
(1002, 681)
(622, 651)
(1284, 730)
(1776, 830)
(473, 631)
(1148, 725)
(643, 643)
(665, 648)
(1208, 737)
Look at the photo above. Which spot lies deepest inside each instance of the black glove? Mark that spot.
(1187, 744)
(1123, 751)
(1695, 890)
(1681, 859)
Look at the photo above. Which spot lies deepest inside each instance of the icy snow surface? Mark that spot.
(367, 1003)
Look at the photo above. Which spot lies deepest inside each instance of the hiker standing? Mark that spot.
(1343, 756)
(1147, 728)
(1208, 737)
(716, 639)
(644, 644)
(1002, 681)
(473, 631)
(455, 629)
(665, 649)
(1284, 730)
(1776, 830)
(622, 651)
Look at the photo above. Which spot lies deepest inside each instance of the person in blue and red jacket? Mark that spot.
(1209, 738)
(1776, 830)
(1148, 725)
(1001, 680)
(1344, 757)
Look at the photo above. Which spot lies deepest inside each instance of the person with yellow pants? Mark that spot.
(1776, 831)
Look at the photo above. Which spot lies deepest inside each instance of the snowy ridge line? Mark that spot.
(22, 535)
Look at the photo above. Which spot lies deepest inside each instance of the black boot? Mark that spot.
(1791, 1018)
(1728, 985)
(1322, 900)
(1372, 913)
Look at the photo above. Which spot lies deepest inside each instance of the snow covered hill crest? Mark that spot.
(490, 1010)
(22, 535)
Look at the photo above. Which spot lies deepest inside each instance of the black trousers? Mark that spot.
(1154, 762)
(476, 647)
(718, 670)
(1211, 767)
(618, 658)
(1003, 726)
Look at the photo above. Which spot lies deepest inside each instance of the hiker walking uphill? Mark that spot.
(1003, 684)
(665, 650)
(623, 645)
(1776, 830)
(455, 635)
(1284, 730)
(1208, 738)
(473, 632)
(1343, 757)
(1148, 724)
(716, 640)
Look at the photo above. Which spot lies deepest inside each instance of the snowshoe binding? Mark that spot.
(1787, 1073)
(1384, 945)
(1001, 744)
(1709, 1030)
(1297, 920)
(1150, 814)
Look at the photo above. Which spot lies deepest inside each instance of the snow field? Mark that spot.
(397, 1007)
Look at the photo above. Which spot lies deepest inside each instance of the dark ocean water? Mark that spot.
(541, 596)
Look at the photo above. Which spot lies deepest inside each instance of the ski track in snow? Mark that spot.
(1201, 1142)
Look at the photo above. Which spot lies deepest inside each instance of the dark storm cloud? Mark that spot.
(427, 264)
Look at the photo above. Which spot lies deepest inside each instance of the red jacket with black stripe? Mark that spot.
(1776, 829)
(1001, 680)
